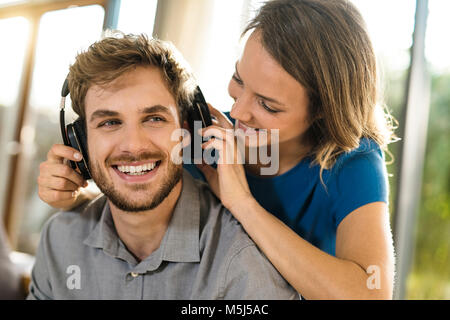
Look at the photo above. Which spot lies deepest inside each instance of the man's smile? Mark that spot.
(136, 171)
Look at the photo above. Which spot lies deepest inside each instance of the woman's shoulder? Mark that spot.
(363, 168)
(368, 156)
(367, 148)
(358, 177)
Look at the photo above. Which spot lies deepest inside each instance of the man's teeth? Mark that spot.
(137, 170)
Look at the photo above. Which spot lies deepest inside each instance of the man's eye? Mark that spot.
(109, 123)
(155, 119)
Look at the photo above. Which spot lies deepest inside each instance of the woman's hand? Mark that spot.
(60, 185)
(228, 181)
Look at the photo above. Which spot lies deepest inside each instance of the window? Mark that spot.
(15, 32)
(222, 49)
(60, 37)
(391, 24)
(137, 16)
(430, 274)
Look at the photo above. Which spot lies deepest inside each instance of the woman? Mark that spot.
(308, 69)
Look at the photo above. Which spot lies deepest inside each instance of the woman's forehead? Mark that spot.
(264, 75)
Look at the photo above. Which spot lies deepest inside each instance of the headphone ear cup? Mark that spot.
(76, 133)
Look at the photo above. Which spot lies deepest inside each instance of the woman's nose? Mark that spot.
(241, 109)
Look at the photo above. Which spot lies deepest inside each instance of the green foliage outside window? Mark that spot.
(430, 272)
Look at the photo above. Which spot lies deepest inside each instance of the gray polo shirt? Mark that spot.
(204, 254)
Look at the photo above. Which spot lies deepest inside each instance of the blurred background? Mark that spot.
(40, 38)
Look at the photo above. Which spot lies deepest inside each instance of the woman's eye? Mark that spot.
(238, 81)
(265, 106)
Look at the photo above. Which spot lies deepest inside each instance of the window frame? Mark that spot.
(33, 13)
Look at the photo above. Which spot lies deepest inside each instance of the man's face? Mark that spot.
(129, 126)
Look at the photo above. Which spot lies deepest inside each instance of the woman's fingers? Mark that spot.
(227, 150)
(51, 173)
(59, 152)
(55, 198)
(223, 140)
(214, 144)
(216, 132)
(57, 183)
(221, 119)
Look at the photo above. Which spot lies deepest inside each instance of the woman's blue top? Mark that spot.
(314, 210)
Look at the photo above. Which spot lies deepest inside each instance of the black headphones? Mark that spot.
(74, 135)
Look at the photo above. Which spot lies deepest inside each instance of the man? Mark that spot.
(156, 233)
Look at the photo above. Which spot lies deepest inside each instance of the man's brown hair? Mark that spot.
(117, 53)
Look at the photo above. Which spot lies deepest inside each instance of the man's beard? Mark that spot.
(124, 202)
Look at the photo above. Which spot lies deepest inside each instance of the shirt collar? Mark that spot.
(181, 242)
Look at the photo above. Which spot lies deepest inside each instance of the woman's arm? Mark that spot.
(363, 244)
(363, 239)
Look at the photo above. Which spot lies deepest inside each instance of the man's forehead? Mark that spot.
(142, 76)
(140, 88)
(130, 77)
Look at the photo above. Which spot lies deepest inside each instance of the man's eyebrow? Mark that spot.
(257, 94)
(101, 113)
(155, 108)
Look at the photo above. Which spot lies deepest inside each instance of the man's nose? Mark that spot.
(241, 109)
(135, 140)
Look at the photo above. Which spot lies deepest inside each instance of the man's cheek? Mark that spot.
(98, 145)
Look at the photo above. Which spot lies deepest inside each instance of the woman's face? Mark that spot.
(267, 97)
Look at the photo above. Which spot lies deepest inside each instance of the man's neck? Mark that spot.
(142, 232)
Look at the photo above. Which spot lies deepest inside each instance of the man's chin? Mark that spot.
(139, 197)
(137, 187)
(132, 206)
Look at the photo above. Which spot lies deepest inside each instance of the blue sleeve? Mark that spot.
(194, 171)
(360, 178)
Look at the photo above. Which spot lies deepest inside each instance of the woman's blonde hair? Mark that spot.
(325, 46)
